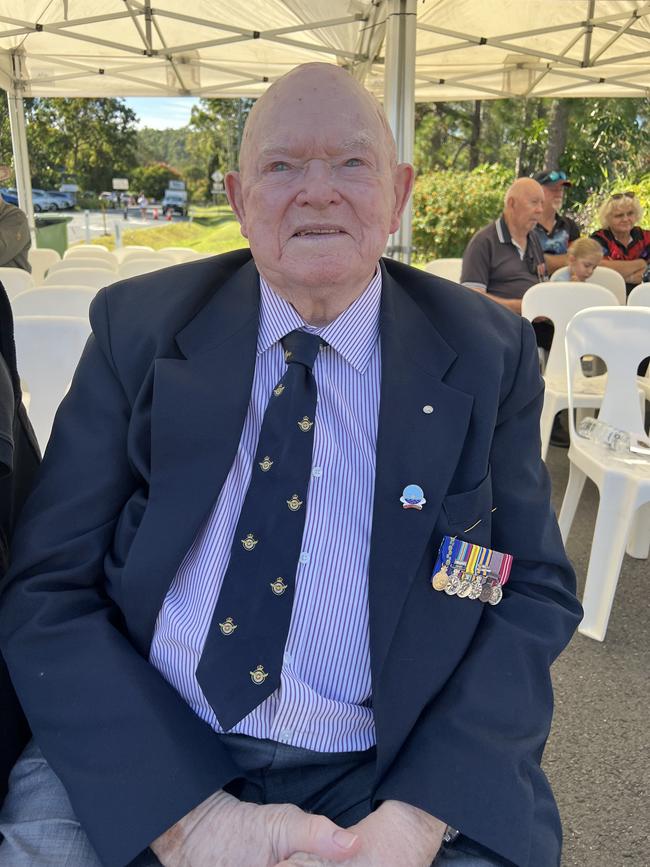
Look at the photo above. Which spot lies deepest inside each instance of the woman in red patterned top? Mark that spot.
(626, 246)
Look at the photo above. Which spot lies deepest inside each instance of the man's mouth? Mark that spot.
(318, 230)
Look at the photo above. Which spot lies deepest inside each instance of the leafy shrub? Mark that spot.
(449, 207)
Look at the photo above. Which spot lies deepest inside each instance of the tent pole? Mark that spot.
(21, 154)
(399, 101)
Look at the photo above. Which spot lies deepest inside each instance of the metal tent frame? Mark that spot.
(404, 51)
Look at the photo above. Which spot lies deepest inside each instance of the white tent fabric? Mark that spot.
(465, 49)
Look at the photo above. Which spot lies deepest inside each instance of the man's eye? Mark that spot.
(279, 166)
(353, 161)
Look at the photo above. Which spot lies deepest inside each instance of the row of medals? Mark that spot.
(465, 585)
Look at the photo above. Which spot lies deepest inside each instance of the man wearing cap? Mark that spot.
(554, 231)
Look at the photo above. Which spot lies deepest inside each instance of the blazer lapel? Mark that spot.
(198, 409)
(414, 446)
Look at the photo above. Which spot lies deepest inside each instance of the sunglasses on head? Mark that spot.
(553, 177)
(628, 195)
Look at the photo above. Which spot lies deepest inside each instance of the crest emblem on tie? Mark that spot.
(266, 464)
(228, 627)
(305, 424)
(294, 503)
(249, 542)
(259, 675)
(278, 586)
(277, 391)
(288, 354)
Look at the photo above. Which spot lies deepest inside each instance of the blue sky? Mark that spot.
(162, 112)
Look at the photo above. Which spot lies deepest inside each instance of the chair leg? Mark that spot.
(549, 411)
(615, 513)
(638, 543)
(571, 499)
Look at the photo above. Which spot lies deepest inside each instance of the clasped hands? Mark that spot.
(226, 832)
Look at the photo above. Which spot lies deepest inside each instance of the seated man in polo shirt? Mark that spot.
(554, 230)
(505, 258)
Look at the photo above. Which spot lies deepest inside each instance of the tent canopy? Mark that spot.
(464, 49)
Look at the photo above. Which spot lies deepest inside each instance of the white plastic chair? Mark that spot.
(610, 280)
(123, 253)
(182, 254)
(15, 280)
(54, 301)
(639, 296)
(41, 259)
(95, 277)
(48, 349)
(81, 262)
(620, 336)
(91, 251)
(135, 267)
(77, 247)
(448, 268)
(559, 301)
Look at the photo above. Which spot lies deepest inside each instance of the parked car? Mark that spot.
(63, 200)
(109, 198)
(9, 195)
(42, 201)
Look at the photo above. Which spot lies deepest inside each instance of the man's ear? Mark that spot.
(232, 183)
(402, 186)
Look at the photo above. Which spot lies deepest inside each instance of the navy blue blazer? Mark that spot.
(140, 449)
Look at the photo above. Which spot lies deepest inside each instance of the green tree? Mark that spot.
(152, 180)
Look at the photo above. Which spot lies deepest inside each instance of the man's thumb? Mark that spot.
(318, 836)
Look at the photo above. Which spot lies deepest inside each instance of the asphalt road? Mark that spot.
(98, 223)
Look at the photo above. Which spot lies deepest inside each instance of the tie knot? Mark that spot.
(301, 347)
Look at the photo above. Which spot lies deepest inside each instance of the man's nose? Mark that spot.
(318, 186)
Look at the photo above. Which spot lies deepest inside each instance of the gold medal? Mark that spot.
(439, 580)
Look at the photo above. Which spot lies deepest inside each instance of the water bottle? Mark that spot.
(608, 436)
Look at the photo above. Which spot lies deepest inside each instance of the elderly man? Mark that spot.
(505, 258)
(221, 618)
(555, 231)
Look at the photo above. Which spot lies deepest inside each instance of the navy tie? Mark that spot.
(242, 658)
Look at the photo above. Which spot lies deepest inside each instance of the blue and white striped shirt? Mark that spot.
(324, 700)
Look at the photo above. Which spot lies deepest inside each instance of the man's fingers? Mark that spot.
(316, 835)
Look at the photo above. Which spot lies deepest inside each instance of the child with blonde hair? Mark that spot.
(585, 255)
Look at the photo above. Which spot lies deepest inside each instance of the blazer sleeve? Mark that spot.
(473, 757)
(131, 754)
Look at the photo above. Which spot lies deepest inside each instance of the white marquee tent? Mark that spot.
(404, 50)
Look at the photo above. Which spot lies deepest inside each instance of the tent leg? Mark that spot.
(21, 156)
(399, 101)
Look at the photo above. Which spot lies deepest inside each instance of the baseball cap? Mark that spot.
(551, 177)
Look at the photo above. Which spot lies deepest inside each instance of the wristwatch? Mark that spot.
(450, 834)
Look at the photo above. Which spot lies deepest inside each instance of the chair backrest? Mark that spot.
(96, 277)
(91, 251)
(135, 267)
(123, 253)
(40, 258)
(48, 349)
(182, 254)
(611, 280)
(448, 268)
(15, 280)
(81, 262)
(559, 301)
(621, 337)
(54, 301)
(639, 296)
(77, 247)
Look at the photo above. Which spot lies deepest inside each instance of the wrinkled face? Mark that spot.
(581, 269)
(526, 205)
(318, 192)
(554, 195)
(621, 219)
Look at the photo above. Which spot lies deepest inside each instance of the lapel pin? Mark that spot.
(427, 409)
(412, 497)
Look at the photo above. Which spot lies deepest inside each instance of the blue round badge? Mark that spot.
(412, 497)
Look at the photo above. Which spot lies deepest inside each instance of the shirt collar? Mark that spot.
(353, 334)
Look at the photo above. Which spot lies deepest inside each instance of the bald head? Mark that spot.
(523, 206)
(310, 89)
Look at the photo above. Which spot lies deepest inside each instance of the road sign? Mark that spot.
(120, 183)
(175, 185)
(217, 177)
